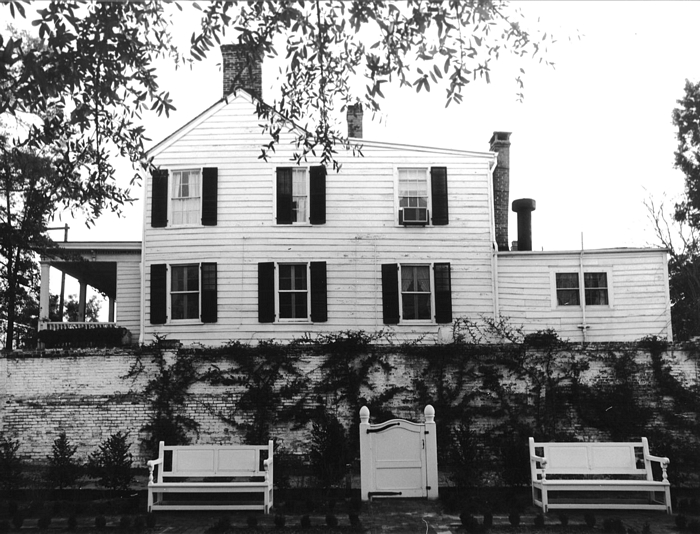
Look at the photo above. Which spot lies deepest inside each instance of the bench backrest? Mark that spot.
(591, 458)
(213, 460)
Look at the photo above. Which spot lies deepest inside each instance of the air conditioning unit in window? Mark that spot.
(409, 216)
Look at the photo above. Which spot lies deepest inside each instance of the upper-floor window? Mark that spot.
(300, 195)
(184, 197)
(422, 196)
(186, 201)
(595, 289)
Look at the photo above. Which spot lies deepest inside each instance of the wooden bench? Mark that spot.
(201, 473)
(589, 473)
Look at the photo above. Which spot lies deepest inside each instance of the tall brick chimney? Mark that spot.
(242, 70)
(354, 117)
(500, 143)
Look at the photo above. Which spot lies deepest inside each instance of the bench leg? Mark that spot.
(545, 501)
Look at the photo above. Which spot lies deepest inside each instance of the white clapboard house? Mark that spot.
(406, 239)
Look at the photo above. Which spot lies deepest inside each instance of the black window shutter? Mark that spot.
(319, 292)
(159, 275)
(390, 293)
(266, 292)
(159, 198)
(284, 195)
(210, 179)
(443, 293)
(317, 185)
(209, 295)
(438, 187)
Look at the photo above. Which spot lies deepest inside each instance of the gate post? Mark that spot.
(431, 452)
(365, 455)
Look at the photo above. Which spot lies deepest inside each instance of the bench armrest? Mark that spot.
(543, 462)
(664, 464)
(151, 465)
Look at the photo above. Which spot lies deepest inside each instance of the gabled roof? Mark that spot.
(242, 93)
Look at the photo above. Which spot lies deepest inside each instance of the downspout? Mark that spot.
(494, 244)
(582, 293)
(142, 321)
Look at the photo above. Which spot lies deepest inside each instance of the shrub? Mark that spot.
(280, 521)
(514, 518)
(10, 465)
(563, 519)
(331, 520)
(252, 521)
(64, 470)
(354, 519)
(111, 462)
(305, 521)
(469, 522)
(125, 522)
(139, 522)
(538, 521)
(221, 526)
(589, 519)
(329, 451)
(681, 522)
(44, 522)
(100, 522)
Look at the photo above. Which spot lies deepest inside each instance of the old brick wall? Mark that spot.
(87, 394)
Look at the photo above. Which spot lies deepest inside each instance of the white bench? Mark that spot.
(200, 470)
(593, 471)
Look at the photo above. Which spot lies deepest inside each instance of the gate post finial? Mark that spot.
(429, 413)
(364, 415)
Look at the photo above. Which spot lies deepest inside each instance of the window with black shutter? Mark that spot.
(209, 293)
(284, 196)
(443, 293)
(438, 188)
(317, 186)
(319, 292)
(266, 292)
(390, 293)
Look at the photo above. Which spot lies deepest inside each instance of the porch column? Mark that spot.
(81, 301)
(44, 305)
(111, 310)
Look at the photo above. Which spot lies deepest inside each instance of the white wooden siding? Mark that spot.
(360, 234)
(128, 312)
(638, 294)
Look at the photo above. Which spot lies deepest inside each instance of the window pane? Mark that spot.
(185, 202)
(413, 188)
(596, 297)
(293, 294)
(299, 195)
(567, 280)
(567, 297)
(185, 305)
(595, 280)
(415, 291)
(285, 277)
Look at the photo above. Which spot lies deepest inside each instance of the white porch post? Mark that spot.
(81, 301)
(431, 452)
(44, 304)
(111, 310)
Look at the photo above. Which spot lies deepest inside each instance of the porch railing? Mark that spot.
(55, 325)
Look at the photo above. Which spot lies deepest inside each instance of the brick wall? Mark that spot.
(85, 393)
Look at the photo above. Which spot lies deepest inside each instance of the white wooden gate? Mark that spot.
(398, 458)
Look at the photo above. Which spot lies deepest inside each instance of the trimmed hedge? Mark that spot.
(111, 336)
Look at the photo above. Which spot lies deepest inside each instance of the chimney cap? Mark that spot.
(500, 137)
(524, 204)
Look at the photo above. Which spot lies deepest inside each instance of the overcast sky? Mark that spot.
(592, 140)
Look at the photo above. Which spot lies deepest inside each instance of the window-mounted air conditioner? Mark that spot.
(408, 216)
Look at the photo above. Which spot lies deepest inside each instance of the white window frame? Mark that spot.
(397, 195)
(307, 181)
(278, 273)
(171, 187)
(431, 274)
(188, 320)
(581, 287)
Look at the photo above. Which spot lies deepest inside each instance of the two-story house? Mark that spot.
(405, 239)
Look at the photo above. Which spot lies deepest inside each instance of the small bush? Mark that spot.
(681, 522)
(514, 518)
(221, 526)
(538, 521)
(589, 519)
(100, 522)
(18, 520)
(331, 520)
(11, 466)
(139, 522)
(354, 519)
(469, 522)
(44, 522)
(563, 519)
(305, 521)
(64, 470)
(329, 451)
(125, 522)
(252, 521)
(150, 520)
(111, 462)
(280, 521)
(614, 525)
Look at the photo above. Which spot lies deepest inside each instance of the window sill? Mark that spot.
(184, 321)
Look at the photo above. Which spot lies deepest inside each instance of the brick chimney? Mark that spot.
(354, 117)
(242, 70)
(500, 143)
